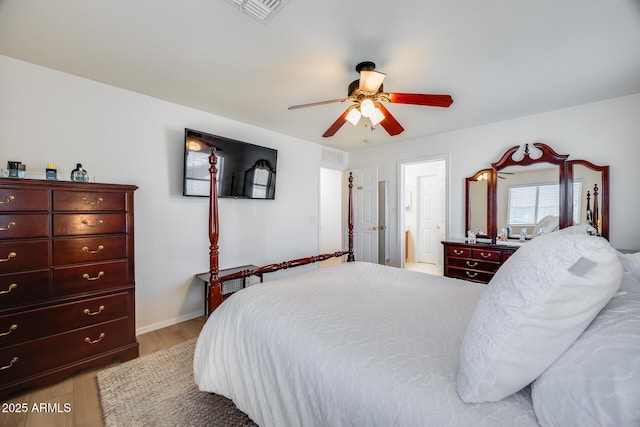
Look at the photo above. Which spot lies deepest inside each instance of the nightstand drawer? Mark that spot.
(83, 224)
(485, 254)
(88, 249)
(88, 201)
(459, 251)
(469, 274)
(474, 264)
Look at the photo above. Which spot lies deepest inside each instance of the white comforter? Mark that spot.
(356, 344)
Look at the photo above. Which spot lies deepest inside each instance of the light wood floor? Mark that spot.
(81, 390)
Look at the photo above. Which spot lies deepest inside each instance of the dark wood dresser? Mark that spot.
(67, 289)
(476, 262)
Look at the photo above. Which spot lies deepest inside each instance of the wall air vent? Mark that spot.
(262, 10)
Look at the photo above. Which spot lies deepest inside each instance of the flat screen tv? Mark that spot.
(245, 171)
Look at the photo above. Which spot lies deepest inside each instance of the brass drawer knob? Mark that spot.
(458, 252)
(11, 329)
(13, 362)
(9, 199)
(93, 313)
(86, 276)
(8, 227)
(90, 341)
(471, 274)
(472, 264)
(485, 255)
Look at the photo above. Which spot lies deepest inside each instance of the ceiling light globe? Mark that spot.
(367, 108)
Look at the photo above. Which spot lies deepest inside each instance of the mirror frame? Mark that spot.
(467, 191)
(603, 228)
(565, 181)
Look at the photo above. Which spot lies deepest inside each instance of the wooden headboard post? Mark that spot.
(214, 294)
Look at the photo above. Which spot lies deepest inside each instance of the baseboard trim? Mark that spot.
(168, 322)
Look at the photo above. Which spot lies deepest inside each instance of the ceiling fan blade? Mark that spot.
(337, 124)
(421, 99)
(389, 123)
(313, 104)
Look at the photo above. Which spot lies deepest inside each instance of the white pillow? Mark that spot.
(631, 263)
(534, 308)
(596, 382)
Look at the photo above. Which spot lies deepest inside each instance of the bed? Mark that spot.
(360, 344)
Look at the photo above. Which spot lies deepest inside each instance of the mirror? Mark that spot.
(477, 193)
(533, 187)
(259, 181)
(589, 194)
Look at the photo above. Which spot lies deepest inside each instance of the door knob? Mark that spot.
(373, 228)
(382, 227)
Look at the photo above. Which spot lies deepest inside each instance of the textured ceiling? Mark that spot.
(499, 59)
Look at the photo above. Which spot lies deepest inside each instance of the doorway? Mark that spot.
(423, 187)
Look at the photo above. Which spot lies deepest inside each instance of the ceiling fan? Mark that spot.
(368, 95)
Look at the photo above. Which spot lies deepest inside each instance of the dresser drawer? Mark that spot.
(88, 201)
(474, 264)
(89, 277)
(83, 224)
(459, 251)
(24, 255)
(88, 249)
(469, 274)
(22, 288)
(29, 325)
(29, 358)
(21, 199)
(485, 254)
(20, 226)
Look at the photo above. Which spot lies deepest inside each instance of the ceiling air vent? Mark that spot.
(262, 10)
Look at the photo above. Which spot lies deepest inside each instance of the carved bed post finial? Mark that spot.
(596, 213)
(350, 256)
(214, 295)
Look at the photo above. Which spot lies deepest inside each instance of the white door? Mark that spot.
(365, 214)
(428, 241)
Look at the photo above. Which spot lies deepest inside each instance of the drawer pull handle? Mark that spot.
(458, 252)
(11, 329)
(471, 264)
(89, 251)
(471, 274)
(484, 255)
(8, 227)
(13, 362)
(11, 255)
(90, 341)
(87, 202)
(7, 200)
(93, 313)
(97, 224)
(86, 276)
(9, 289)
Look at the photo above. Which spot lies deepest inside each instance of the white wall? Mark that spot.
(605, 133)
(331, 215)
(124, 137)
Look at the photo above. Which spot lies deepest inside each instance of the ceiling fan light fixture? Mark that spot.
(367, 107)
(353, 116)
(376, 117)
(370, 81)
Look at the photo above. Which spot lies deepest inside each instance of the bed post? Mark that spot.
(214, 294)
(350, 256)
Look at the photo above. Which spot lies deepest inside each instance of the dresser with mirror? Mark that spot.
(530, 190)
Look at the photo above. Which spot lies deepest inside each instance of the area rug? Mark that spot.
(159, 390)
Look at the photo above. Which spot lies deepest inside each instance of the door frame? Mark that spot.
(446, 158)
